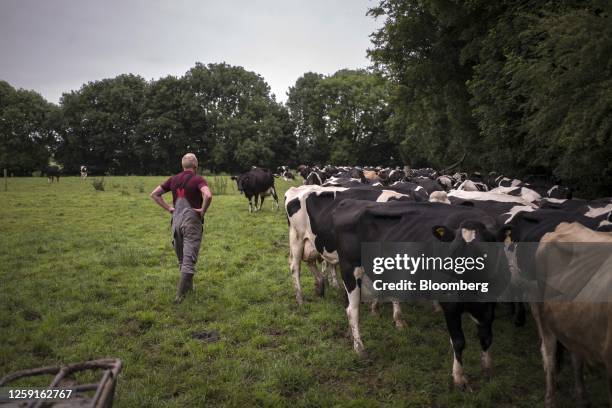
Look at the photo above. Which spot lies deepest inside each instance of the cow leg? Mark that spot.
(485, 335)
(397, 315)
(609, 369)
(374, 307)
(319, 278)
(296, 250)
(330, 272)
(275, 197)
(519, 318)
(352, 311)
(581, 395)
(261, 197)
(549, 351)
(251, 204)
(452, 315)
(351, 277)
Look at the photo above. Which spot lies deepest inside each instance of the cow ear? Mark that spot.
(505, 234)
(443, 233)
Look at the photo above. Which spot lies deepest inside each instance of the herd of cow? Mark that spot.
(339, 208)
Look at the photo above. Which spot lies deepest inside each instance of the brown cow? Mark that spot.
(371, 175)
(584, 327)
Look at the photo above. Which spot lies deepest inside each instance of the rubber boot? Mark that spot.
(185, 285)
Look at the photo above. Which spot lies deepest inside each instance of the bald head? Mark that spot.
(189, 161)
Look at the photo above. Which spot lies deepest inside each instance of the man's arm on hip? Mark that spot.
(156, 195)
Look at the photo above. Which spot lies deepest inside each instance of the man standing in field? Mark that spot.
(191, 198)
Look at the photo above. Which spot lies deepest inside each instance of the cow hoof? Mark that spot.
(400, 323)
(464, 386)
(488, 373)
(549, 402)
(374, 309)
(359, 349)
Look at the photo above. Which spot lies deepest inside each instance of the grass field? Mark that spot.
(87, 274)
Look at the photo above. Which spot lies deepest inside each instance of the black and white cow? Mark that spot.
(559, 192)
(92, 170)
(469, 185)
(600, 210)
(311, 233)
(417, 192)
(358, 221)
(52, 172)
(285, 173)
(504, 208)
(531, 227)
(257, 182)
(83, 172)
(446, 182)
(502, 181)
(428, 184)
(524, 192)
(315, 177)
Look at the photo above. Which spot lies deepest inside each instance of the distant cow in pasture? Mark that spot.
(52, 172)
(257, 182)
(92, 170)
(285, 173)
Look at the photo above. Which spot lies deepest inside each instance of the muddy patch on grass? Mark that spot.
(206, 336)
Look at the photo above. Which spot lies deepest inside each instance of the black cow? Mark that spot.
(52, 172)
(428, 184)
(357, 222)
(257, 182)
(315, 177)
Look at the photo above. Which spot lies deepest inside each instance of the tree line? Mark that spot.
(225, 114)
(517, 87)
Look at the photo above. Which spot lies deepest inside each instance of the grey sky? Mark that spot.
(57, 45)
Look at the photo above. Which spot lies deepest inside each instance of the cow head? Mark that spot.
(470, 231)
(238, 180)
(472, 240)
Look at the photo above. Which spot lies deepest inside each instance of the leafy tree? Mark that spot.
(342, 118)
(520, 86)
(27, 135)
(100, 123)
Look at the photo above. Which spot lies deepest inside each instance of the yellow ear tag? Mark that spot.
(440, 231)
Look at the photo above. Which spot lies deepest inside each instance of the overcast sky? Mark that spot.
(56, 46)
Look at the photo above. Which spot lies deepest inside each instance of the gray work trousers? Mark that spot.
(187, 231)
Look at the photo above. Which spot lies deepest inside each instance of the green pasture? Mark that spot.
(87, 274)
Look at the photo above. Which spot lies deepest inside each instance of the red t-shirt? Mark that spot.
(192, 187)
